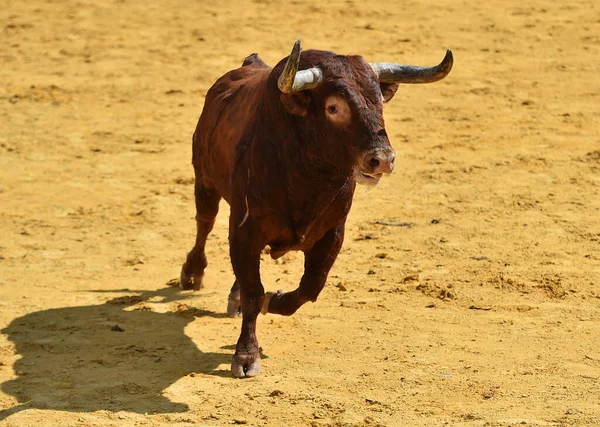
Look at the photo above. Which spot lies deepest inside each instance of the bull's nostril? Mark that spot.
(374, 162)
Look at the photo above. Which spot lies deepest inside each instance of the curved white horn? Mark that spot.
(400, 73)
(291, 80)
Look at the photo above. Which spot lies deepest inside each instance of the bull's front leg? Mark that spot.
(245, 259)
(317, 263)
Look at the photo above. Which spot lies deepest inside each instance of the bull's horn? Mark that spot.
(291, 80)
(400, 73)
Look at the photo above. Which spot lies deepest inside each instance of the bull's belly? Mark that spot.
(303, 239)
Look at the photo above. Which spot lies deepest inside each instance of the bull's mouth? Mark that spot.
(365, 178)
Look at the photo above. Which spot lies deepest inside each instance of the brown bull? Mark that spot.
(285, 147)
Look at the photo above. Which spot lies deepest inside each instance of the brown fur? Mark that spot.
(287, 173)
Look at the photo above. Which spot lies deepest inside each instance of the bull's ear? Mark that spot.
(388, 90)
(296, 103)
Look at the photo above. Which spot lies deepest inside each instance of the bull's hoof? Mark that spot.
(268, 297)
(245, 365)
(234, 306)
(191, 281)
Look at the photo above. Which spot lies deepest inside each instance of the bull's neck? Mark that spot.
(303, 170)
(311, 171)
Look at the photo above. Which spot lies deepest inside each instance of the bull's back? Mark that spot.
(229, 112)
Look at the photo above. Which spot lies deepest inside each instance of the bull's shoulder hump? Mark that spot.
(238, 79)
(255, 61)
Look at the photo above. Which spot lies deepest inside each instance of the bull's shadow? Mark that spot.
(76, 359)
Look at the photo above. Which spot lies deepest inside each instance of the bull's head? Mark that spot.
(343, 97)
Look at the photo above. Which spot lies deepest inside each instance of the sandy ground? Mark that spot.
(468, 289)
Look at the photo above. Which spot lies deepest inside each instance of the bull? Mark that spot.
(285, 147)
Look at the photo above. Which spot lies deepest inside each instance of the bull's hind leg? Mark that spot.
(317, 263)
(234, 305)
(207, 206)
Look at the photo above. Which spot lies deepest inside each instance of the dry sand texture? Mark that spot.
(467, 292)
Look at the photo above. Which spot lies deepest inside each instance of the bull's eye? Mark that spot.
(337, 110)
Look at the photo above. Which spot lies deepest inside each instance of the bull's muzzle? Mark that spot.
(378, 162)
(373, 165)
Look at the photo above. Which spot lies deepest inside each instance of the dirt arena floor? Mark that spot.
(468, 289)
